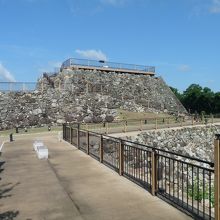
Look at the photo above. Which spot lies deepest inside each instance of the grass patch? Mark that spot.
(30, 130)
(126, 115)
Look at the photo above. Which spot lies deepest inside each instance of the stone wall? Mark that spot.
(86, 96)
(195, 142)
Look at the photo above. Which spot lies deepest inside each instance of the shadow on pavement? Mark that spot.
(10, 215)
(5, 190)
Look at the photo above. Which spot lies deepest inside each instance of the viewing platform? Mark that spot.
(106, 66)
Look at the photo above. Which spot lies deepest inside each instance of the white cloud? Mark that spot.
(215, 7)
(92, 54)
(202, 7)
(184, 68)
(5, 74)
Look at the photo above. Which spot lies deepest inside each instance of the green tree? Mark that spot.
(198, 99)
(217, 103)
(191, 98)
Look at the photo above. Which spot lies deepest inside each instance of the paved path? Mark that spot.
(70, 186)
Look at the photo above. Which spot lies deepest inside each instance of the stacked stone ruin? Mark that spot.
(89, 96)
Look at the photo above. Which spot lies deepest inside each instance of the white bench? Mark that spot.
(37, 144)
(42, 152)
(41, 149)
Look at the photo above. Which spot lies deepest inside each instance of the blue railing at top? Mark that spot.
(105, 64)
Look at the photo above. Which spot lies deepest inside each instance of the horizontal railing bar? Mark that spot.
(187, 163)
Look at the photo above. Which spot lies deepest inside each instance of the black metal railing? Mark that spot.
(137, 165)
(94, 145)
(83, 141)
(111, 152)
(189, 184)
(74, 136)
(185, 182)
(105, 64)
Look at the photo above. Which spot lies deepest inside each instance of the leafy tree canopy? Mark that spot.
(198, 99)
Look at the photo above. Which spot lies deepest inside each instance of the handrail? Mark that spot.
(106, 64)
(139, 145)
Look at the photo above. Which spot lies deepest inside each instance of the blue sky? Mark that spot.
(180, 37)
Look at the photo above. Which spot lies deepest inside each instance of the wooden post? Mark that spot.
(203, 119)
(156, 123)
(217, 176)
(212, 119)
(106, 128)
(125, 126)
(101, 150)
(100, 127)
(181, 122)
(192, 120)
(121, 158)
(153, 172)
(141, 125)
(87, 137)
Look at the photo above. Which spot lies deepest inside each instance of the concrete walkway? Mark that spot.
(70, 186)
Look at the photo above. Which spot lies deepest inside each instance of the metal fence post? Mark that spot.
(71, 132)
(87, 142)
(154, 172)
(64, 131)
(78, 138)
(101, 149)
(121, 158)
(217, 176)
